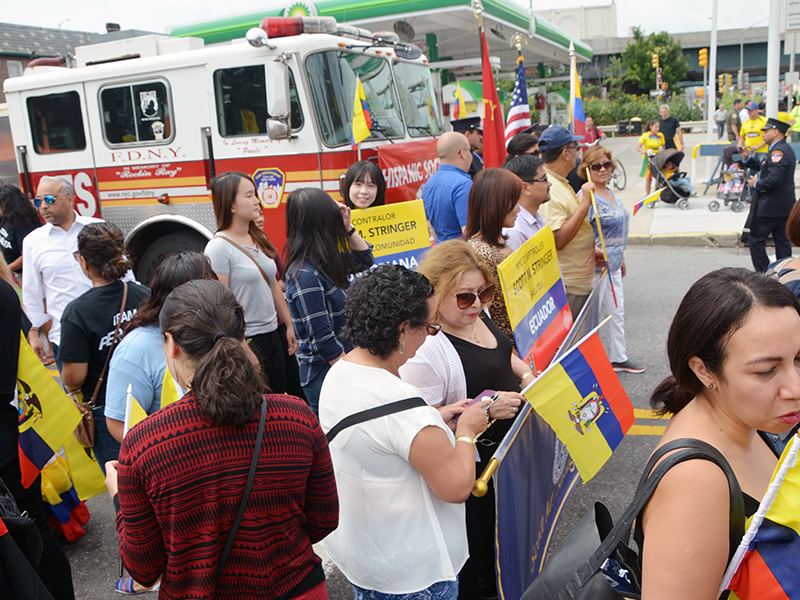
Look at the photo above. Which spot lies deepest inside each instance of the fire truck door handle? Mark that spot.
(23, 156)
(210, 147)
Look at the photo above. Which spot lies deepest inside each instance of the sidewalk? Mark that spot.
(666, 224)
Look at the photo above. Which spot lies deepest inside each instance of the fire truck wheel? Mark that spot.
(165, 247)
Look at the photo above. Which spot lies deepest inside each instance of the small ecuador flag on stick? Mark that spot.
(647, 200)
(362, 120)
(460, 108)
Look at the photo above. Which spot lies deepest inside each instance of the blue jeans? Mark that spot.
(441, 590)
(313, 387)
(105, 446)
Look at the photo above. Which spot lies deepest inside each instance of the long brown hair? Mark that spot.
(223, 195)
(207, 323)
(494, 194)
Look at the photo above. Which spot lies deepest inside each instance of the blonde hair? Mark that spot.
(592, 155)
(446, 263)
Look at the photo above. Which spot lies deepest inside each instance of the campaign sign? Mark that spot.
(406, 167)
(398, 232)
(536, 299)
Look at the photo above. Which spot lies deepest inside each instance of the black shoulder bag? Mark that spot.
(374, 413)
(574, 571)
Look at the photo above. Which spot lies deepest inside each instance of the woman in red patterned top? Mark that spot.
(182, 471)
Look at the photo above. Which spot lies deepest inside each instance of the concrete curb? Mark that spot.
(709, 239)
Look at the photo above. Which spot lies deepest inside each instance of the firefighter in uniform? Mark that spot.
(471, 127)
(775, 199)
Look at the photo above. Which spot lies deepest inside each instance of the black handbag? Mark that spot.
(578, 569)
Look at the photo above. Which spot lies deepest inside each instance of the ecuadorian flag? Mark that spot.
(577, 118)
(770, 550)
(460, 107)
(47, 417)
(582, 399)
(362, 120)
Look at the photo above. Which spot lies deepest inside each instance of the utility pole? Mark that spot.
(773, 58)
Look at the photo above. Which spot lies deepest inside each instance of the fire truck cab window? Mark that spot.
(56, 123)
(332, 76)
(137, 113)
(241, 99)
(418, 99)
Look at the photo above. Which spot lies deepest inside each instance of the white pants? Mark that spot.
(615, 329)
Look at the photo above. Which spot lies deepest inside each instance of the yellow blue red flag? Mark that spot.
(647, 200)
(460, 107)
(582, 399)
(47, 416)
(766, 562)
(577, 118)
(362, 120)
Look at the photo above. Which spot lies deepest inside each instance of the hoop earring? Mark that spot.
(402, 346)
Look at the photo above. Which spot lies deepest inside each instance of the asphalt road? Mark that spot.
(658, 277)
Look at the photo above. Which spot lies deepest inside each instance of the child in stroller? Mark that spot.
(732, 189)
(664, 167)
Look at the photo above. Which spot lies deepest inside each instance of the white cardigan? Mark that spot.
(436, 370)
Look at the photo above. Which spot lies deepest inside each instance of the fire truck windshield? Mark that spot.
(332, 75)
(418, 99)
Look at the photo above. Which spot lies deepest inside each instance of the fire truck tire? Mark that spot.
(163, 248)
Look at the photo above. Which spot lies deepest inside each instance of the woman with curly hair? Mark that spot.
(18, 218)
(402, 477)
(89, 322)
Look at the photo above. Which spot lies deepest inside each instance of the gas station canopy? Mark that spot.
(446, 30)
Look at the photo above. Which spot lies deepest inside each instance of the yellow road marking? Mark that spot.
(643, 413)
(646, 430)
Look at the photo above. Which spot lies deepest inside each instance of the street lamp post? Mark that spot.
(741, 50)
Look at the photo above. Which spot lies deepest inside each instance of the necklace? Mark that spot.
(104, 282)
(473, 335)
(387, 367)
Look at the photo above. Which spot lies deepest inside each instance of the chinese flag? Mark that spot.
(494, 148)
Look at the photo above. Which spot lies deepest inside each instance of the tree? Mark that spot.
(638, 59)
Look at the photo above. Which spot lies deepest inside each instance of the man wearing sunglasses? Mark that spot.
(51, 278)
(446, 194)
(574, 236)
(535, 192)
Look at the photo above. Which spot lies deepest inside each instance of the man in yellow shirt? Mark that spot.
(750, 135)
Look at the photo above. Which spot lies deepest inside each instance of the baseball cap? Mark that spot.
(556, 137)
(751, 106)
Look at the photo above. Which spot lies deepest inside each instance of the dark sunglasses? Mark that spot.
(608, 166)
(49, 199)
(534, 180)
(432, 328)
(467, 299)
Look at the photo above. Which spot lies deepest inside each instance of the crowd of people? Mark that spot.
(322, 398)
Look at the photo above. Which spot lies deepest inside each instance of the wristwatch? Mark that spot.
(352, 231)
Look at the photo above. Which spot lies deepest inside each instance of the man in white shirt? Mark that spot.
(50, 273)
(535, 192)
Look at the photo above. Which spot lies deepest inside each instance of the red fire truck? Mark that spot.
(141, 125)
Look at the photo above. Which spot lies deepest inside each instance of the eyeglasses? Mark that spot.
(49, 199)
(432, 328)
(608, 165)
(534, 180)
(466, 299)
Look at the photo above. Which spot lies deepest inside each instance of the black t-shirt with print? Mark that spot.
(87, 328)
(11, 240)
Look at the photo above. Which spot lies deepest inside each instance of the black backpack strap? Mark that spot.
(690, 449)
(375, 413)
(250, 477)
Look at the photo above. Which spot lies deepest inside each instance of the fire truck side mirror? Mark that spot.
(277, 89)
(257, 37)
(277, 129)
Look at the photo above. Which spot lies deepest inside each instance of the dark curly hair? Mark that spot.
(102, 246)
(381, 301)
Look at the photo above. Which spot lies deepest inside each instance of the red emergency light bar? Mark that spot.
(276, 27)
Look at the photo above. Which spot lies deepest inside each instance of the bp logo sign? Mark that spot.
(269, 186)
(300, 9)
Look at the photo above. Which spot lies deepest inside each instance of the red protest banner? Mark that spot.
(406, 167)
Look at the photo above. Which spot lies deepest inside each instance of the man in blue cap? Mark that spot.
(775, 199)
(567, 216)
(472, 129)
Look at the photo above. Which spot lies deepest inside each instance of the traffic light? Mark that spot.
(701, 92)
(655, 61)
(721, 81)
(728, 80)
(704, 57)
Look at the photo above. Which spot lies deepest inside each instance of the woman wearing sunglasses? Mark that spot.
(493, 204)
(614, 222)
(402, 477)
(470, 356)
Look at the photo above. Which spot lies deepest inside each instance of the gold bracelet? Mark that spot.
(524, 375)
(465, 438)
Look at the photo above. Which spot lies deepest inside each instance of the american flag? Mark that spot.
(519, 114)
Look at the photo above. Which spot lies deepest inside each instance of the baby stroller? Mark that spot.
(732, 188)
(667, 178)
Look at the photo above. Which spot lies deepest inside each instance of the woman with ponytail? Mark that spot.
(183, 472)
(734, 353)
(89, 322)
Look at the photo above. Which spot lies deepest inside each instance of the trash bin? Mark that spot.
(636, 126)
(623, 127)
